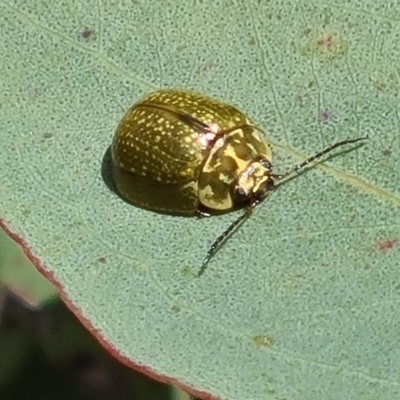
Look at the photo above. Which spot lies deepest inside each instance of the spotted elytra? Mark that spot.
(181, 152)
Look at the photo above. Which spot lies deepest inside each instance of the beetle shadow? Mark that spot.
(106, 173)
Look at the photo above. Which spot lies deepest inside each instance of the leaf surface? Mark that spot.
(302, 302)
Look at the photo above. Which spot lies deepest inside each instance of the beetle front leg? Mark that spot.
(202, 214)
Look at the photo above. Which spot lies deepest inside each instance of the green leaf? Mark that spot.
(302, 302)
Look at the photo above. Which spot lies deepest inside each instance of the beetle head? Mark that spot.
(254, 183)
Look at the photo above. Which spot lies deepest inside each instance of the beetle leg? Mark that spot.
(202, 214)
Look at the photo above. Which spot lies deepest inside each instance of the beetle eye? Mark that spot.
(239, 195)
(266, 164)
(264, 189)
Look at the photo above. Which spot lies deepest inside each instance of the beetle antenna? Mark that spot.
(309, 160)
(224, 235)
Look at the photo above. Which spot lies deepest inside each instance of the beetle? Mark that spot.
(180, 152)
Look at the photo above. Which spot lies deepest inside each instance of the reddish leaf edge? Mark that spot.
(41, 268)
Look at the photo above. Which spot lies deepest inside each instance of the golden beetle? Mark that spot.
(181, 152)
